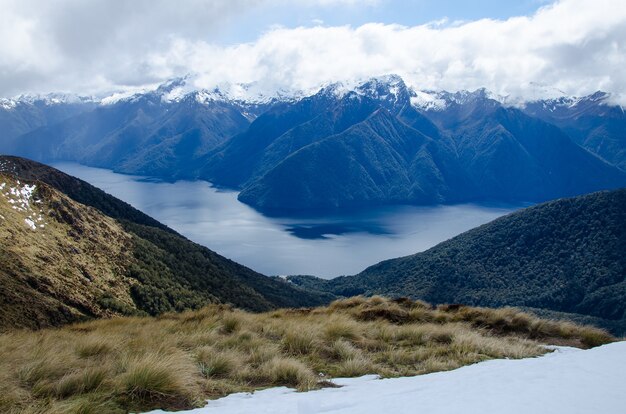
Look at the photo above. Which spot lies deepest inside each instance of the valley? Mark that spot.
(327, 245)
(320, 206)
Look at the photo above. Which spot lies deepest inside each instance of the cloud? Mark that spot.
(577, 46)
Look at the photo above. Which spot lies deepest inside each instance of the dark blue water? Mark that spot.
(325, 246)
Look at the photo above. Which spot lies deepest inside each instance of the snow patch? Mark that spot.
(30, 223)
(567, 380)
(20, 198)
(428, 101)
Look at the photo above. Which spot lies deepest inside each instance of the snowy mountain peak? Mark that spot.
(390, 90)
(178, 89)
(44, 99)
(428, 101)
(440, 100)
(597, 97)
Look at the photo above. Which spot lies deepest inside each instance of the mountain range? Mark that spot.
(71, 252)
(347, 145)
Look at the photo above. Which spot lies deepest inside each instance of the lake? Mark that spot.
(324, 246)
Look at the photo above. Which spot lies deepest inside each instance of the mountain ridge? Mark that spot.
(71, 252)
(494, 151)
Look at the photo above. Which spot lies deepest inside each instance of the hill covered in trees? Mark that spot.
(565, 256)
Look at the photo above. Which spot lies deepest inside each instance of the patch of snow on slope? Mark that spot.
(428, 101)
(567, 381)
(20, 200)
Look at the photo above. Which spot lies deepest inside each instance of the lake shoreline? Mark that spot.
(326, 244)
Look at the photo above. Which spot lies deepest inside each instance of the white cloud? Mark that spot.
(577, 46)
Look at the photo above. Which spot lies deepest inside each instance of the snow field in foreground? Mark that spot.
(568, 381)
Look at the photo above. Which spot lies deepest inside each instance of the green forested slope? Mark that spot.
(567, 255)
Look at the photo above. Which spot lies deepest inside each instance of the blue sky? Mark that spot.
(248, 26)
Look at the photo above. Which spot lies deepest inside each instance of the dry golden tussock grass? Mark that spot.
(177, 361)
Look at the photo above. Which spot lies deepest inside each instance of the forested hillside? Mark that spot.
(566, 255)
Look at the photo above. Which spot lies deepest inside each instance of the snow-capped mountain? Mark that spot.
(45, 100)
(184, 89)
(390, 90)
(428, 100)
(233, 134)
(565, 105)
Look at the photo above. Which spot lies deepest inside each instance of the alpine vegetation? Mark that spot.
(178, 360)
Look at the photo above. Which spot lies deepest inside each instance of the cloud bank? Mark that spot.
(573, 46)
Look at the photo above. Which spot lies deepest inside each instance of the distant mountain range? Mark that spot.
(69, 252)
(346, 145)
(565, 256)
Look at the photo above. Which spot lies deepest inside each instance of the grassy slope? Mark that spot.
(86, 264)
(58, 273)
(177, 360)
(566, 256)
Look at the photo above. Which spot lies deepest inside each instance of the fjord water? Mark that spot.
(324, 245)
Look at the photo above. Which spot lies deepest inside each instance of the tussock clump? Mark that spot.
(217, 364)
(352, 302)
(230, 324)
(337, 328)
(505, 321)
(174, 361)
(156, 380)
(421, 314)
(340, 350)
(44, 369)
(355, 367)
(389, 311)
(80, 382)
(298, 342)
(591, 337)
(289, 372)
(411, 335)
(93, 348)
(262, 354)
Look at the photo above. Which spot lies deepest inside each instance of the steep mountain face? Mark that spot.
(71, 252)
(370, 143)
(379, 160)
(378, 143)
(566, 255)
(27, 113)
(508, 155)
(591, 121)
(142, 135)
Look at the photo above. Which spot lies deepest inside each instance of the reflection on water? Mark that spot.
(325, 246)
